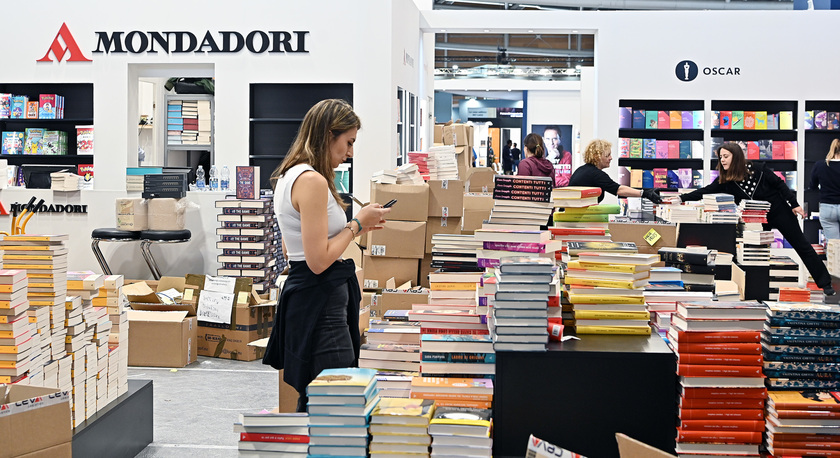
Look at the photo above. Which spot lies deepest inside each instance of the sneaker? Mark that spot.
(829, 291)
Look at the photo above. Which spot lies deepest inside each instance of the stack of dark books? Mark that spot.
(697, 265)
(520, 201)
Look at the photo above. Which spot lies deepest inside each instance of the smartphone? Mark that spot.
(390, 203)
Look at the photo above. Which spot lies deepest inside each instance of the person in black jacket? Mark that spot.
(507, 159)
(598, 156)
(754, 181)
(826, 178)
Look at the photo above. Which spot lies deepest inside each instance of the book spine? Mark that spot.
(734, 403)
(456, 357)
(720, 437)
(721, 414)
(599, 299)
(724, 425)
(719, 337)
(461, 403)
(598, 282)
(515, 246)
(270, 437)
(453, 331)
(614, 330)
(824, 442)
(452, 286)
(781, 451)
(720, 359)
(608, 315)
(704, 370)
(419, 394)
(725, 393)
(602, 267)
(684, 257)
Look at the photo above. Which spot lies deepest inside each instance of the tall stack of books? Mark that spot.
(800, 343)
(754, 248)
(832, 252)
(520, 306)
(19, 340)
(421, 159)
(802, 423)
(409, 174)
(340, 404)
(719, 208)
(400, 426)
(76, 344)
(454, 289)
(384, 177)
(391, 356)
(455, 391)
(614, 305)
(442, 163)
(520, 201)
(455, 252)
(697, 265)
(784, 273)
(719, 366)
(461, 431)
(262, 433)
(753, 213)
(591, 214)
(250, 241)
(111, 298)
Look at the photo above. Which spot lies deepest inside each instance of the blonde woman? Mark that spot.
(826, 178)
(598, 156)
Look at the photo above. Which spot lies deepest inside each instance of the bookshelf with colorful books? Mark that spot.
(661, 135)
(189, 127)
(821, 119)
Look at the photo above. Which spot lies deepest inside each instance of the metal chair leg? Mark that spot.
(145, 249)
(94, 245)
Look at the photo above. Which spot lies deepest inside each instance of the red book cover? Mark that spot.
(721, 414)
(271, 437)
(753, 151)
(706, 370)
(720, 359)
(660, 177)
(721, 403)
(724, 425)
(790, 150)
(575, 192)
(802, 452)
(799, 437)
(247, 182)
(827, 414)
(705, 393)
(725, 119)
(827, 444)
(561, 231)
(719, 337)
(721, 348)
(673, 149)
(720, 437)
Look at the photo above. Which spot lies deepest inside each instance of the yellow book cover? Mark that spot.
(10, 364)
(9, 349)
(42, 285)
(32, 275)
(605, 267)
(616, 330)
(785, 120)
(420, 410)
(9, 288)
(611, 315)
(46, 257)
(461, 416)
(37, 238)
(600, 299)
(598, 282)
(41, 303)
(8, 248)
(761, 120)
(33, 266)
(452, 286)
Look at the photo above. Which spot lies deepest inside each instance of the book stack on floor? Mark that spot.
(784, 273)
(453, 322)
(409, 174)
(250, 241)
(459, 432)
(111, 297)
(803, 423)
(614, 305)
(520, 303)
(753, 248)
(720, 370)
(339, 406)
(455, 252)
(800, 343)
(696, 263)
(80, 350)
(400, 427)
(520, 201)
(471, 349)
(421, 159)
(391, 356)
(456, 290)
(442, 163)
(19, 340)
(86, 286)
(268, 434)
(720, 208)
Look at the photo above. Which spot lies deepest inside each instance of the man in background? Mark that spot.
(558, 156)
(516, 156)
(507, 159)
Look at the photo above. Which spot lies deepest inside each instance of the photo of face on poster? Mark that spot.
(558, 146)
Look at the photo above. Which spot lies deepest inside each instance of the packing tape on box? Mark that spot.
(167, 214)
(132, 214)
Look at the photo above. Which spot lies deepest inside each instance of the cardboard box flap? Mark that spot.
(140, 292)
(178, 283)
(259, 343)
(148, 315)
(631, 448)
(21, 392)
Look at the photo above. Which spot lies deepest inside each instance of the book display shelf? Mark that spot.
(189, 127)
(77, 110)
(276, 112)
(661, 142)
(819, 133)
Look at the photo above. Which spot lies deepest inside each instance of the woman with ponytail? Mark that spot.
(535, 164)
(826, 178)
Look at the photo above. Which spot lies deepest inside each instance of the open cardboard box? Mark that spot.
(142, 296)
(162, 338)
(40, 427)
(632, 448)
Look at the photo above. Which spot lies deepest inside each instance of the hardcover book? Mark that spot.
(247, 182)
(5, 105)
(737, 120)
(725, 119)
(638, 119)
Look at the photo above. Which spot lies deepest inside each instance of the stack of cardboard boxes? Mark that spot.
(461, 136)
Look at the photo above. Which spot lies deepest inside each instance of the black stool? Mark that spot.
(109, 235)
(147, 238)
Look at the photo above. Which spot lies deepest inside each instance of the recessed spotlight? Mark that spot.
(508, 90)
(455, 67)
(577, 67)
(487, 90)
(530, 31)
(443, 30)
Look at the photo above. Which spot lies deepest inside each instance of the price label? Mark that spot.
(444, 212)
(377, 250)
(444, 184)
(443, 221)
(652, 237)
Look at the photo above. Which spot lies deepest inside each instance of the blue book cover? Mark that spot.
(685, 149)
(647, 178)
(809, 119)
(697, 119)
(673, 180)
(649, 148)
(625, 117)
(638, 119)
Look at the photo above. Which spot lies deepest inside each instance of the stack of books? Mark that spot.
(680, 213)
(802, 423)
(720, 370)
(794, 294)
(452, 363)
(409, 174)
(696, 263)
(719, 208)
(421, 159)
(607, 290)
(86, 286)
(573, 249)
(461, 431)
(392, 332)
(81, 351)
(339, 406)
(784, 273)
(520, 305)
(455, 252)
(454, 289)
(753, 213)
(455, 391)
(19, 339)
(800, 343)
(262, 433)
(442, 163)
(575, 197)
(384, 177)
(111, 297)
(499, 243)
(250, 241)
(753, 248)
(566, 219)
(400, 426)
(520, 202)
(391, 356)
(832, 252)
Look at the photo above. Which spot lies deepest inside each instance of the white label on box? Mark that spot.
(214, 306)
(371, 284)
(444, 212)
(443, 221)
(377, 250)
(444, 184)
(484, 189)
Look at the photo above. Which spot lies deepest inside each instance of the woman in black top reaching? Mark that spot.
(754, 181)
(598, 156)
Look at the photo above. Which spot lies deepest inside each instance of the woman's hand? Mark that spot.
(798, 211)
(372, 217)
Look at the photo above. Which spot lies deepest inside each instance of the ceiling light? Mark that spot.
(573, 31)
(455, 67)
(487, 90)
(443, 30)
(508, 90)
(530, 31)
(486, 30)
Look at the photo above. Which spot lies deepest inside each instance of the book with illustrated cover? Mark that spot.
(749, 120)
(5, 106)
(649, 148)
(761, 120)
(661, 149)
(651, 119)
(19, 103)
(462, 416)
(403, 411)
(804, 401)
(725, 119)
(635, 148)
(247, 182)
(624, 147)
(647, 178)
(12, 142)
(341, 381)
(737, 120)
(84, 139)
(31, 109)
(638, 119)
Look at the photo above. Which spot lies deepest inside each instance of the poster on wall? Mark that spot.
(558, 145)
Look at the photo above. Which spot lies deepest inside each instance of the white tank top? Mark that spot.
(289, 218)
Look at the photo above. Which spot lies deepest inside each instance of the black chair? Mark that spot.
(109, 235)
(147, 238)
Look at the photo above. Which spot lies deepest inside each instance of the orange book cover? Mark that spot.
(720, 437)
(803, 452)
(825, 444)
(461, 403)
(721, 348)
(723, 425)
(720, 359)
(749, 120)
(721, 414)
(709, 370)
(722, 403)
(804, 401)
(676, 120)
(719, 337)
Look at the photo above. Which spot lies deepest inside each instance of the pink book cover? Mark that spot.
(790, 150)
(752, 150)
(778, 150)
(662, 149)
(660, 178)
(673, 149)
(247, 182)
(664, 120)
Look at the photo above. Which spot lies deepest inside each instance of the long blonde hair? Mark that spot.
(322, 124)
(833, 151)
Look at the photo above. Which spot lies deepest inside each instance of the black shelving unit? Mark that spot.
(770, 106)
(778, 165)
(78, 110)
(817, 144)
(643, 163)
(276, 112)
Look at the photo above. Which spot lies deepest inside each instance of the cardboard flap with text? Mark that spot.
(631, 448)
(244, 294)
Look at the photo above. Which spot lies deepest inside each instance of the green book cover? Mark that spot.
(737, 119)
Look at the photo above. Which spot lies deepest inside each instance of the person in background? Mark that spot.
(597, 157)
(535, 164)
(507, 160)
(826, 178)
(516, 156)
(558, 156)
(316, 325)
(754, 181)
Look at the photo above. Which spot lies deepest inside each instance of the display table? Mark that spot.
(122, 429)
(578, 394)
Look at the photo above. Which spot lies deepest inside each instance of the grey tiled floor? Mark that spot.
(195, 407)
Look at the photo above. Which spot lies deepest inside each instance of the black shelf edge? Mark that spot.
(266, 156)
(754, 130)
(635, 129)
(822, 131)
(275, 119)
(788, 161)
